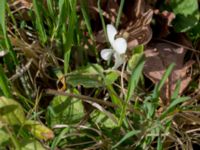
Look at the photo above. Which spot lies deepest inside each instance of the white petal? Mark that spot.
(120, 45)
(111, 32)
(106, 53)
(3, 53)
(119, 60)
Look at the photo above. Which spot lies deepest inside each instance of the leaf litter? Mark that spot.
(135, 26)
(158, 57)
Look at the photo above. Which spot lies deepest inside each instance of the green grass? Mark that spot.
(57, 93)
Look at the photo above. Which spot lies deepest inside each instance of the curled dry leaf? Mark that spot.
(158, 57)
(21, 7)
(163, 22)
(136, 29)
(109, 11)
(20, 4)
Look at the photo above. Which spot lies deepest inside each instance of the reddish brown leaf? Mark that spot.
(158, 57)
(163, 22)
(136, 29)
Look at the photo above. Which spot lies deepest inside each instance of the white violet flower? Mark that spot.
(118, 47)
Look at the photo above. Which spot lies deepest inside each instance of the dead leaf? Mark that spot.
(158, 57)
(136, 29)
(163, 22)
(22, 7)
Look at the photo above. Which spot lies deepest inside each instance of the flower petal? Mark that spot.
(120, 45)
(119, 60)
(111, 32)
(106, 54)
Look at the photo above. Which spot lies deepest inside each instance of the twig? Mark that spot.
(91, 99)
(176, 44)
(81, 97)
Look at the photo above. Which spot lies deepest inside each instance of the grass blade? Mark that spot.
(173, 105)
(128, 135)
(39, 22)
(157, 89)
(176, 91)
(50, 7)
(119, 13)
(86, 18)
(70, 33)
(4, 83)
(11, 56)
(159, 143)
(165, 76)
(63, 11)
(113, 95)
(102, 19)
(59, 138)
(135, 76)
(2, 15)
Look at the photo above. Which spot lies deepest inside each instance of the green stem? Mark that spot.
(119, 13)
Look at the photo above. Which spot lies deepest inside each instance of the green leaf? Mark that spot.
(150, 109)
(114, 97)
(132, 84)
(133, 62)
(88, 76)
(194, 33)
(2, 15)
(139, 49)
(135, 76)
(173, 104)
(4, 85)
(187, 14)
(176, 91)
(11, 112)
(4, 137)
(159, 144)
(184, 7)
(156, 92)
(135, 58)
(103, 120)
(165, 76)
(91, 69)
(128, 135)
(62, 12)
(31, 145)
(5, 110)
(68, 37)
(39, 21)
(119, 13)
(86, 18)
(111, 77)
(92, 81)
(39, 130)
(184, 23)
(58, 138)
(102, 18)
(50, 7)
(66, 110)
(11, 56)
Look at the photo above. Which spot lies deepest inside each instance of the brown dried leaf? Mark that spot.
(163, 22)
(136, 29)
(158, 57)
(21, 7)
